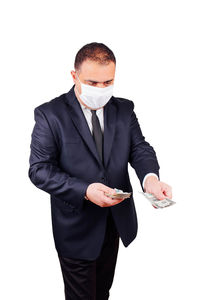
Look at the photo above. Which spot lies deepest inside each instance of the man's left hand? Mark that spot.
(158, 188)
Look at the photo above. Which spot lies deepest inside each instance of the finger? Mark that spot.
(168, 193)
(108, 190)
(159, 195)
(167, 190)
(118, 201)
(107, 198)
(111, 202)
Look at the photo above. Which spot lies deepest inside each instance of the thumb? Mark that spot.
(108, 190)
(168, 194)
(159, 195)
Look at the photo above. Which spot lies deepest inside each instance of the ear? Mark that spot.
(73, 73)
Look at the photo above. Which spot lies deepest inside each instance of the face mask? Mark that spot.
(95, 97)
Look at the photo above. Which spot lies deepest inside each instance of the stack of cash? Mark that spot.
(119, 194)
(158, 203)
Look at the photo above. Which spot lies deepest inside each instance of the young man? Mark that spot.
(81, 145)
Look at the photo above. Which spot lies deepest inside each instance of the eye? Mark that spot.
(108, 82)
(93, 83)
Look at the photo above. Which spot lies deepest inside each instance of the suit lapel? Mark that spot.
(78, 118)
(110, 113)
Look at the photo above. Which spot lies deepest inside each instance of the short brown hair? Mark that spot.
(96, 52)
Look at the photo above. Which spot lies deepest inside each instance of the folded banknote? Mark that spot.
(156, 202)
(119, 194)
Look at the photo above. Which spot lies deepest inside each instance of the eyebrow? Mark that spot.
(98, 81)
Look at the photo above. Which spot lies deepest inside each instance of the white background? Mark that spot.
(157, 48)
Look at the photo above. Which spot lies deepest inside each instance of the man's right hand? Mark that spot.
(95, 193)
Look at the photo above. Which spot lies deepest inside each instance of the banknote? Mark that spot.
(119, 194)
(158, 203)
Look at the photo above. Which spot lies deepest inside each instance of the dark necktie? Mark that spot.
(97, 133)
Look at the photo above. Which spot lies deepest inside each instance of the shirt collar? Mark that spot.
(83, 106)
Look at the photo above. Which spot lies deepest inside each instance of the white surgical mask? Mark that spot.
(95, 97)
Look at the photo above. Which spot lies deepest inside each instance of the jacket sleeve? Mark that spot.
(142, 156)
(44, 171)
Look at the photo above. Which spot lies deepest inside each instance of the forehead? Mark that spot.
(95, 71)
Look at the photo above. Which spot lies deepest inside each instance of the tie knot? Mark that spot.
(93, 112)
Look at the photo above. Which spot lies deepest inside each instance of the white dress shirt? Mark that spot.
(99, 112)
(88, 115)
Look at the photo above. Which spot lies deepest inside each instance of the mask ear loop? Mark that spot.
(78, 77)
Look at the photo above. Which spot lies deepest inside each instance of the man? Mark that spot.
(81, 145)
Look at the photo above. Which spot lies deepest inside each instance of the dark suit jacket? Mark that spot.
(64, 161)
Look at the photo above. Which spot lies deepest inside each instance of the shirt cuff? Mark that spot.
(147, 175)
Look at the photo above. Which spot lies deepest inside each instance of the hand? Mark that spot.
(95, 193)
(158, 188)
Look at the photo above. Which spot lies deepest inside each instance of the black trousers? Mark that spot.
(92, 280)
